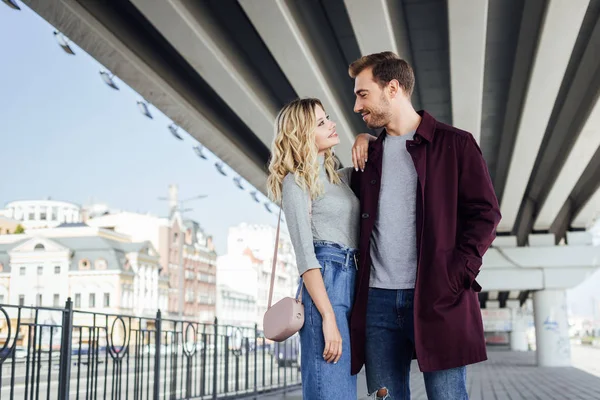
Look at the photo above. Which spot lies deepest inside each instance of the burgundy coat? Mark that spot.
(457, 214)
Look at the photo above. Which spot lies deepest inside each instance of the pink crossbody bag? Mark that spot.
(285, 317)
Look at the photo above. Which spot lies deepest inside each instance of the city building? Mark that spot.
(34, 214)
(235, 307)
(246, 268)
(97, 268)
(192, 278)
(8, 225)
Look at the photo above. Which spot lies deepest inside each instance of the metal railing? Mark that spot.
(61, 353)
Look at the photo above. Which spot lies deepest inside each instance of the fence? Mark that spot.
(50, 353)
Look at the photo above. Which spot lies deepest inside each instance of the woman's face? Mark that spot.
(325, 134)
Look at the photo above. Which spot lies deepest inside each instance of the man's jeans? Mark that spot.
(390, 344)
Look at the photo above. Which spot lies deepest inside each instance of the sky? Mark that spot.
(65, 134)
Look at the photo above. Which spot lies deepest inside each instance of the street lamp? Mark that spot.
(220, 167)
(178, 205)
(62, 41)
(268, 207)
(143, 107)
(173, 129)
(12, 4)
(108, 79)
(198, 150)
(238, 182)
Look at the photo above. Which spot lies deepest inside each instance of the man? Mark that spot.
(428, 215)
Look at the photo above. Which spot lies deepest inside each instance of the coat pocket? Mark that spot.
(455, 266)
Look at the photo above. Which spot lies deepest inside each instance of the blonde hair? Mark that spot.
(294, 150)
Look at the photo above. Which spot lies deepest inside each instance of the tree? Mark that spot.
(19, 230)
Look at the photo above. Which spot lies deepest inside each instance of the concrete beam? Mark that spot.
(587, 144)
(467, 25)
(380, 25)
(291, 47)
(560, 28)
(200, 42)
(541, 239)
(151, 78)
(589, 213)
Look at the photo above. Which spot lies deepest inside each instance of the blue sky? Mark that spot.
(67, 135)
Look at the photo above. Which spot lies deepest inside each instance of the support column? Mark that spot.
(551, 328)
(518, 333)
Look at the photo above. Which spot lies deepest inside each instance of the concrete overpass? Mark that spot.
(522, 76)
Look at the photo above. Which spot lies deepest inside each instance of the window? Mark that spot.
(38, 300)
(92, 302)
(22, 271)
(84, 264)
(1, 299)
(189, 295)
(77, 300)
(54, 214)
(21, 299)
(106, 300)
(40, 270)
(31, 214)
(57, 270)
(43, 215)
(100, 263)
(39, 247)
(56, 300)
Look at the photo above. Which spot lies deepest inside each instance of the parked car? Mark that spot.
(288, 352)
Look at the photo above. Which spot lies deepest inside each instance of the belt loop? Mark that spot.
(347, 262)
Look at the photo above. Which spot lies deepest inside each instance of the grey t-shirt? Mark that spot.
(394, 238)
(335, 217)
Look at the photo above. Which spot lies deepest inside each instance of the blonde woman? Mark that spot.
(322, 216)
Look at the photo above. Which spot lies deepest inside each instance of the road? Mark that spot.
(586, 358)
(139, 379)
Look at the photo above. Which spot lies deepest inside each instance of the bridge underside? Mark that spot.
(522, 76)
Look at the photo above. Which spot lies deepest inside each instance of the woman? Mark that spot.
(322, 216)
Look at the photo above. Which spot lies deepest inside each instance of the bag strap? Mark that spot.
(274, 267)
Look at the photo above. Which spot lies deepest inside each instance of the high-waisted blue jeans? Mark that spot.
(322, 380)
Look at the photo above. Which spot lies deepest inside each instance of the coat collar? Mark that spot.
(425, 130)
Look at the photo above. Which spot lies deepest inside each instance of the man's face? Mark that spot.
(372, 102)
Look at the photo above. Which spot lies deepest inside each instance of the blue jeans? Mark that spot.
(389, 349)
(322, 380)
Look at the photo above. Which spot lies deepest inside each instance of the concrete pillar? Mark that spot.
(518, 333)
(551, 328)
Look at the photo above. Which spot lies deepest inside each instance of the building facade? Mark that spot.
(98, 269)
(8, 225)
(34, 214)
(192, 278)
(246, 268)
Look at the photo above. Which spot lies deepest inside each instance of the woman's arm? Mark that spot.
(313, 280)
(296, 206)
(360, 150)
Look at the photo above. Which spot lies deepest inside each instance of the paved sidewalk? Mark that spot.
(506, 375)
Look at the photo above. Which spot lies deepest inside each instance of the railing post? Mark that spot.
(64, 374)
(215, 359)
(255, 360)
(158, 329)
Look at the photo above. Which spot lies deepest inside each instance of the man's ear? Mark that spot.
(394, 88)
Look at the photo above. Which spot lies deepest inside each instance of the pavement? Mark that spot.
(512, 376)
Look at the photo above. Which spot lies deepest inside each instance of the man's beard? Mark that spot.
(378, 119)
(379, 116)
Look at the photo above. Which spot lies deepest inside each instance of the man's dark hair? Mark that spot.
(386, 66)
